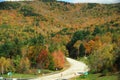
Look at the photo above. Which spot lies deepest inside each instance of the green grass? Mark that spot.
(15, 75)
(96, 77)
(31, 75)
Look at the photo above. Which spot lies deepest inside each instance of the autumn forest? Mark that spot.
(40, 34)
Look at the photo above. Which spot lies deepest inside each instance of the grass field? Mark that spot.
(97, 77)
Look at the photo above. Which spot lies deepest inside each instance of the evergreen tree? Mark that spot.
(81, 50)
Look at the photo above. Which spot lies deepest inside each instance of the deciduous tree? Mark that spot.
(59, 59)
(5, 65)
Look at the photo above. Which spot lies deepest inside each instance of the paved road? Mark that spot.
(72, 71)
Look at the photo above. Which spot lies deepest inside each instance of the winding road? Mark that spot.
(72, 71)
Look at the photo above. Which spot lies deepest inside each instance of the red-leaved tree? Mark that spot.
(43, 59)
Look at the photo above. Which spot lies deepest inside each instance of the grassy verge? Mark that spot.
(67, 65)
(16, 75)
(97, 77)
(44, 72)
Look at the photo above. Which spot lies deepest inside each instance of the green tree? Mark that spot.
(16, 50)
(10, 49)
(102, 59)
(5, 49)
(97, 30)
(27, 11)
(91, 5)
(16, 62)
(37, 40)
(51, 64)
(81, 50)
(9, 5)
(78, 35)
(53, 46)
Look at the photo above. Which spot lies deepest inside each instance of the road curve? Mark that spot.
(72, 71)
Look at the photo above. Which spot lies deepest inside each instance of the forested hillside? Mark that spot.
(38, 34)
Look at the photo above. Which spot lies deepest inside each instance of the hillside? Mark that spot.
(51, 17)
(38, 34)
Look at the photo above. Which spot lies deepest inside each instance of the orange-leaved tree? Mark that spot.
(89, 46)
(59, 59)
